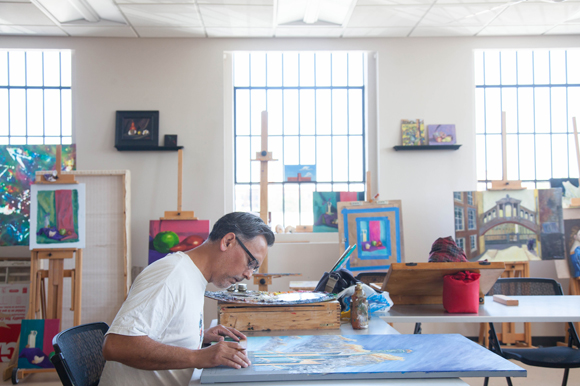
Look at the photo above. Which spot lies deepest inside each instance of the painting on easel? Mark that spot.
(325, 209)
(168, 236)
(35, 348)
(18, 166)
(516, 225)
(572, 228)
(57, 216)
(377, 230)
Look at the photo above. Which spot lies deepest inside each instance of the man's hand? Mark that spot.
(223, 353)
(219, 332)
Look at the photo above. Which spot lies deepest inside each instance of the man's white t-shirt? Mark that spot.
(165, 303)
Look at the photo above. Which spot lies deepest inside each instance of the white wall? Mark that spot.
(423, 78)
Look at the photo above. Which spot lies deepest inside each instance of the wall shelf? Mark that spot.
(427, 147)
(149, 148)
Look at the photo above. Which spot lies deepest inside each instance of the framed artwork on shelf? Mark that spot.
(413, 132)
(441, 135)
(137, 129)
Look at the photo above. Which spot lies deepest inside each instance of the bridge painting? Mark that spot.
(508, 210)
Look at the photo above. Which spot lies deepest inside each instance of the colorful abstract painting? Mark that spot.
(57, 216)
(35, 348)
(300, 173)
(517, 225)
(325, 209)
(18, 166)
(413, 132)
(168, 236)
(441, 134)
(333, 357)
(377, 231)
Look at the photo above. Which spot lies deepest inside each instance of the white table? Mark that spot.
(530, 309)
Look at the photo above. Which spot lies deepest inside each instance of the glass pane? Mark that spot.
(356, 69)
(572, 160)
(292, 204)
(356, 188)
(527, 158)
(66, 112)
(34, 112)
(340, 161)
(307, 69)
(543, 157)
(52, 112)
(274, 72)
(340, 187)
(276, 203)
(573, 107)
(323, 69)
(323, 116)
(242, 106)
(34, 68)
(3, 112)
(256, 146)
(491, 67)
(573, 57)
(542, 111)
(478, 65)
(65, 68)
(560, 156)
(494, 164)
(339, 112)
(35, 140)
(558, 66)
(3, 68)
(512, 157)
(17, 112)
(290, 69)
(339, 69)
(52, 140)
(308, 150)
(291, 151)
(479, 110)
(323, 187)
(558, 110)
(18, 140)
(258, 69)
(355, 159)
(242, 198)
(526, 110)
(274, 112)
(257, 105)
(541, 67)
(66, 140)
(291, 113)
(306, 209)
(307, 112)
(525, 74)
(242, 70)
(276, 169)
(509, 100)
(4, 141)
(51, 68)
(355, 112)
(323, 159)
(508, 67)
(480, 154)
(16, 66)
(492, 110)
(255, 198)
(243, 159)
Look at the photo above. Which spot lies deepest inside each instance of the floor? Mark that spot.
(536, 377)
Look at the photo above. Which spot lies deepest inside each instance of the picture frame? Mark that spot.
(441, 135)
(137, 129)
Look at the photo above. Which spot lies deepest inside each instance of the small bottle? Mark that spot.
(359, 309)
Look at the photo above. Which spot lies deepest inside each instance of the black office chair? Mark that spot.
(78, 357)
(559, 357)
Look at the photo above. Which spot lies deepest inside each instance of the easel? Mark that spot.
(179, 214)
(50, 306)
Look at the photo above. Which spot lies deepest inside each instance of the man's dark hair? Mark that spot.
(245, 225)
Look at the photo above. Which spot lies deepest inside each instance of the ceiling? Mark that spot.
(284, 18)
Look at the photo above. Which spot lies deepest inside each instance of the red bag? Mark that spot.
(461, 292)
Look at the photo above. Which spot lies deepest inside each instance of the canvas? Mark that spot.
(18, 167)
(325, 209)
(441, 134)
(35, 348)
(57, 216)
(330, 357)
(300, 173)
(377, 231)
(517, 225)
(572, 235)
(413, 132)
(168, 236)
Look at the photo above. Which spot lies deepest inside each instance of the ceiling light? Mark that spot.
(86, 10)
(311, 12)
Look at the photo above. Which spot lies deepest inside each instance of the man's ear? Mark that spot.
(227, 241)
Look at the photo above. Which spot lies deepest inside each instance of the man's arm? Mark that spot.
(144, 353)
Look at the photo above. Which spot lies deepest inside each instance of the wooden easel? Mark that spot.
(179, 214)
(504, 184)
(51, 305)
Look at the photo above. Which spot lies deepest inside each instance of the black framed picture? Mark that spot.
(137, 129)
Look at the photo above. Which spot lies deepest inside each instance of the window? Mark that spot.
(457, 196)
(473, 242)
(316, 105)
(540, 92)
(471, 217)
(459, 219)
(35, 97)
(469, 198)
(461, 243)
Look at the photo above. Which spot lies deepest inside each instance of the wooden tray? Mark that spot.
(422, 283)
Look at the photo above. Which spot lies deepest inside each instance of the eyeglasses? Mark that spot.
(254, 264)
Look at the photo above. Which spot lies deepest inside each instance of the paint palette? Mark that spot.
(273, 298)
